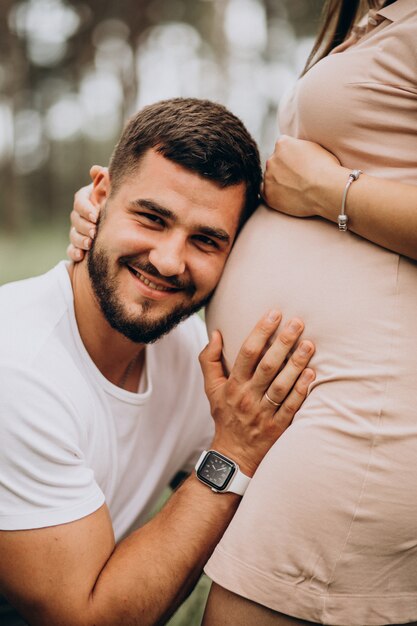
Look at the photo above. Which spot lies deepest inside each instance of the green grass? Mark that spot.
(32, 253)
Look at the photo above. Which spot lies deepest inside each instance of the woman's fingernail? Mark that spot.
(87, 243)
(273, 315)
(93, 217)
(92, 233)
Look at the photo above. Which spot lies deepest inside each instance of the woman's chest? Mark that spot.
(361, 104)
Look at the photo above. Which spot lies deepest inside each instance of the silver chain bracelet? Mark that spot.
(342, 219)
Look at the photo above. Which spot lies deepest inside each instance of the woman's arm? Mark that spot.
(303, 179)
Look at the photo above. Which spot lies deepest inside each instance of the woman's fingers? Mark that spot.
(253, 347)
(83, 205)
(83, 220)
(78, 240)
(84, 217)
(95, 170)
(81, 225)
(75, 254)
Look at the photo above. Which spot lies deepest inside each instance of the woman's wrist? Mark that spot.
(327, 193)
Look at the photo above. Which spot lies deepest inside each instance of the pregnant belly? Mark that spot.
(358, 302)
(333, 504)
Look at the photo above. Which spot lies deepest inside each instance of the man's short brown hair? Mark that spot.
(199, 135)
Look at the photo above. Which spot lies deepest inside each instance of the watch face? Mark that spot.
(216, 471)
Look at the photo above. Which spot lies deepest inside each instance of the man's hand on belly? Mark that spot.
(254, 405)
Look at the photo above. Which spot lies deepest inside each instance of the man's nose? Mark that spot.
(169, 256)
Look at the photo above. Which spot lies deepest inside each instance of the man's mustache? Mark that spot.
(146, 266)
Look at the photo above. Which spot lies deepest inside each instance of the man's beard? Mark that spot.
(136, 328)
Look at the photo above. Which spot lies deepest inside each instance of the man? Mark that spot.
(93, 423)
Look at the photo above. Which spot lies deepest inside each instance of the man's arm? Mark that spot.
(74, 575)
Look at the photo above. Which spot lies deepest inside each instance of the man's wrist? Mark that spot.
(247, 464)
(231, 499)
(221, 473)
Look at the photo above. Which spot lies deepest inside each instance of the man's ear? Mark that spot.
(101, 188)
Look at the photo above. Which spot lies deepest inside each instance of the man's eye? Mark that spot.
(150, 217)
(206, 242)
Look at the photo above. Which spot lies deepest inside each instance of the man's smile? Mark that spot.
(142, 270)
(149, 288)
(158, 286)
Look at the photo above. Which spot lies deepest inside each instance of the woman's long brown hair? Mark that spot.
(338, 18)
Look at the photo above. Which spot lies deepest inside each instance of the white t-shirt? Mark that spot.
(70, 439)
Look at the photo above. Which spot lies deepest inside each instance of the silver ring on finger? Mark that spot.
(271, 401)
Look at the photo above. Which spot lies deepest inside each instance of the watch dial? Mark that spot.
(216, 471)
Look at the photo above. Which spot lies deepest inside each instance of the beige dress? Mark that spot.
(327, 531)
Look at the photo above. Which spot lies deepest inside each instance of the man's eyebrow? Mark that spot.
(153, 206)
(217, 233)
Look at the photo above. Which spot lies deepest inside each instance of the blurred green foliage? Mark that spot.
(72, 71)
(31, 252)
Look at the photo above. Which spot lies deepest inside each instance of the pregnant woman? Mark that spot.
(326, 532)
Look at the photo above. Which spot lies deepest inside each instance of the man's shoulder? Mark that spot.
(36, 336)
(30, 310)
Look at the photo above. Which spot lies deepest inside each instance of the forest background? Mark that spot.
(72, 72)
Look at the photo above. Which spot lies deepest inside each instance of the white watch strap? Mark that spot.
(200, 460)
(239, 482)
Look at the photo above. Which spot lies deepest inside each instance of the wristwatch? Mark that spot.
(220, 473)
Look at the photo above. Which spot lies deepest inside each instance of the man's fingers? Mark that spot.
(211, 362)
(276, 355)
(285, 413)
(255, 344)
(283, 383)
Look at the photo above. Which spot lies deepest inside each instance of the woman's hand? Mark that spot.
(83, 217)
(303, 179)
(294, 174)
(254, 405)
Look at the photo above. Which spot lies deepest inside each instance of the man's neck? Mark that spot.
(118, 359)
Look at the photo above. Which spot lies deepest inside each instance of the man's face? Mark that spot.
(161, 246)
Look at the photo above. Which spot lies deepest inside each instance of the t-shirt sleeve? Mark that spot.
(45, 479)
